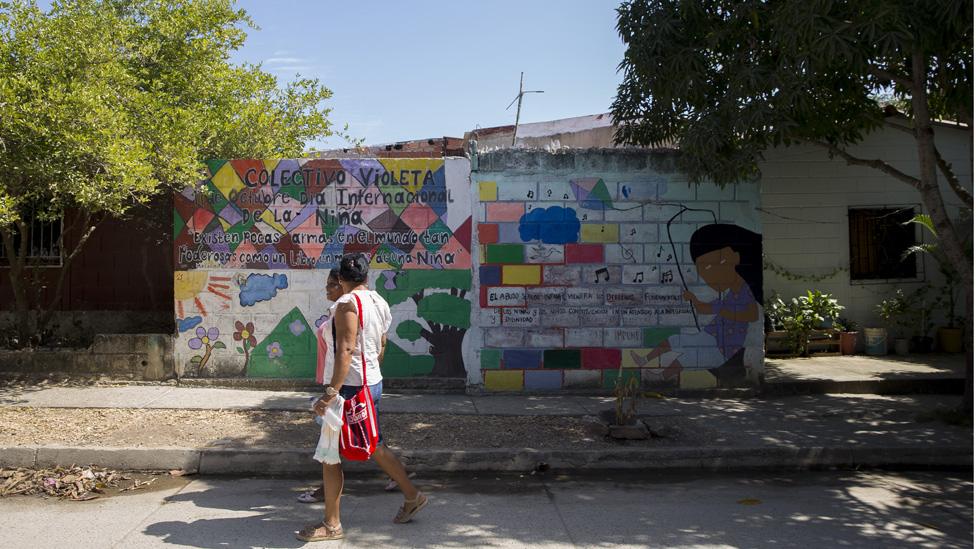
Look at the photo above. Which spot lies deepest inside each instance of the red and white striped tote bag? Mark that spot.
(360, 433)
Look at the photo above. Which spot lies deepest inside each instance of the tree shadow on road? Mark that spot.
(851, 509)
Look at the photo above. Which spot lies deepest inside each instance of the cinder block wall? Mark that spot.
(582, 262)
(255, 242)
(579, 277)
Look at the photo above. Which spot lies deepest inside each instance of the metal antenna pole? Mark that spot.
(518, 110)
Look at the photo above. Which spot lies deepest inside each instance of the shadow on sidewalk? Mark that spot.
(765, 510)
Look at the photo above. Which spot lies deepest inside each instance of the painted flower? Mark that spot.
(274, 350)
(245, 333)
(296, 327)
(205, 338)
(322, 320)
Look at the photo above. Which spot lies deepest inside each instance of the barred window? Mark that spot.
(878, 239)
(44, 247)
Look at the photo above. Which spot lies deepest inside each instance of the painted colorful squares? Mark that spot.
(304, 214)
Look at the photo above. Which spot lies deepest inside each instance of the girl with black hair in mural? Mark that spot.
(728, 259)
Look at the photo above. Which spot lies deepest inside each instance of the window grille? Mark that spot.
(44, 247)
(878, 240)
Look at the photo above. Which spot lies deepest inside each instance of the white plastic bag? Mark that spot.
(327, 450)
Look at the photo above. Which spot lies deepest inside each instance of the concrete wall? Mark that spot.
(583, 261)
(254, 244)
(805, 200)
(122, 356)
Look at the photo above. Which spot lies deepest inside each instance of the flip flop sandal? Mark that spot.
(312, 496)
(410, 508)
(392, 485)
(309, 532)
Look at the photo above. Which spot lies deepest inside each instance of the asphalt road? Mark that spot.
(824, 509)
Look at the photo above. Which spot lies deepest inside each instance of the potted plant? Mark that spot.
(950, 335)
(823, 306)
(895, 311)
(802, 316)
(848, 335)
(922, 314)
(776, 336)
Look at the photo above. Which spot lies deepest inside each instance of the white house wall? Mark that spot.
(805, 196)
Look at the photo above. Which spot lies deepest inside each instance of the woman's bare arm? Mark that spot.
(347, 330)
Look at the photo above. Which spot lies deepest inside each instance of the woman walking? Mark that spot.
(351, 352)
(325, 361)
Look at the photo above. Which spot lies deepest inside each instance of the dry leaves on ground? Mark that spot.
(75, 483)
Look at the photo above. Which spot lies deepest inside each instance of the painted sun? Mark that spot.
(189, 285)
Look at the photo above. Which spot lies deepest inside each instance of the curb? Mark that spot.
(274, 461)
(935, 386)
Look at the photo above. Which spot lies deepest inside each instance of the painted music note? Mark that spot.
(639, 277)
(667, 276)
(633, 231)
(628, 254)
(669, 257)
(660, 250)
(606, 275)
(548, 193)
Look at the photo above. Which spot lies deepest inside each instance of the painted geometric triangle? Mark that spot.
(227, 180)
(311, 241)
(417, 216)
(462, 256)
(362, 171)
(463, 235)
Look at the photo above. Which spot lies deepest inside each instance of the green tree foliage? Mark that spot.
(725, 80)
(107, 103)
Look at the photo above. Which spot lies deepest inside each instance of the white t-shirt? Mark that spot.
(376, 322)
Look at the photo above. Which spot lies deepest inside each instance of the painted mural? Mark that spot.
(586, 279)
(253, 243)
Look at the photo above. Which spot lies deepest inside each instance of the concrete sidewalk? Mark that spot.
(890, 374)
(797, 432)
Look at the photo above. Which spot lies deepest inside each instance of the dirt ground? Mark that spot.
(199, 428)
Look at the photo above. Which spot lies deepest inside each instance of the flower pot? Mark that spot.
(848, 342)
(901, 346)
(875, 341)
(922, 344)
(950, 340)
(777, 342)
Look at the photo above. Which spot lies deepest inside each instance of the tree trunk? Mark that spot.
(17, 256)
(949, 239)
(445, 347)
(86, 229)
(967, 399)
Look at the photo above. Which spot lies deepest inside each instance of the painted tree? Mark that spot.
(725, 80)
(105, 104)
(447, 315)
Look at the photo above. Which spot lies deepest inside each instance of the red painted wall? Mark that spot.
(126, 265)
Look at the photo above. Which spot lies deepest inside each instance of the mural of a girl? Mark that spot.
(728, 259)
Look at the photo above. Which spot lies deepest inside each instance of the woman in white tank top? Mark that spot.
(347, 379)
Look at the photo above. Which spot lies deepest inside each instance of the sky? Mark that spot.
(414, 70)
